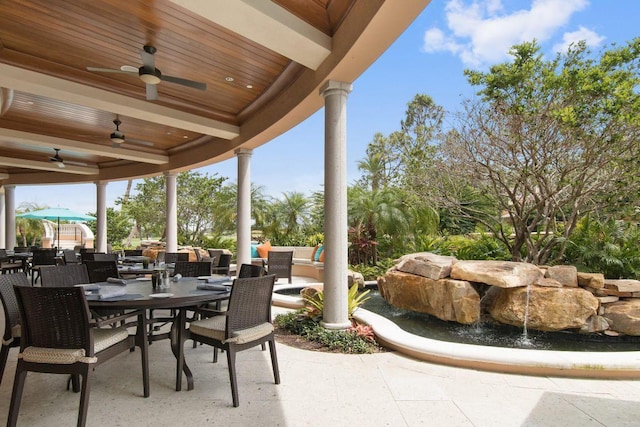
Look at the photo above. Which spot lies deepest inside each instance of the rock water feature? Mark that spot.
(556, 298)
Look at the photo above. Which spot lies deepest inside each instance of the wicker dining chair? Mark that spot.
(223, 264)
(70, 256)
(245, 324)
(171, 257)
(280, 263)
(133, 252)
(192, 269)
(41, 257)
(64, 275)
(100, 271)
(12, 330)
(57, 337)
(105, 257)
(8, 265)
(250, 270)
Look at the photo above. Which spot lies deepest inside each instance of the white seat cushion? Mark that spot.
(102, 339)
(213, 327)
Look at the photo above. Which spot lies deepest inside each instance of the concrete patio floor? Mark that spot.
(322, 389)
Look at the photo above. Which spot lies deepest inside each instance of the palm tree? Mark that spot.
(29, 230)
(372, 213)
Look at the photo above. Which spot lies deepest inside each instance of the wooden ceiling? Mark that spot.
(262, 63)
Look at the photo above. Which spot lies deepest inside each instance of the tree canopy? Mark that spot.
(549, 141)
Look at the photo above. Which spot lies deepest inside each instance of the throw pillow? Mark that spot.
(254, 251)
(316, 256)
(313, 254)
(321, 257)
(263, 249)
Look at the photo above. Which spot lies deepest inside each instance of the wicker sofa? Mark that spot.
(302, 263)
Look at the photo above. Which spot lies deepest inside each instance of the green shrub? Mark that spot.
(346, 341)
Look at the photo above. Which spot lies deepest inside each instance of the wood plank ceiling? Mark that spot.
(248, 53)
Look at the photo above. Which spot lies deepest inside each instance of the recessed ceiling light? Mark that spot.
(185, 136)
(229, 79)
(249, 86)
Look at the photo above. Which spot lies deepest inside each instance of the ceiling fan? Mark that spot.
(149, 74)
(117, 137)
(61, 162)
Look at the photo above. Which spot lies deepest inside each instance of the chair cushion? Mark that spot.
(105, 338)
(213, 327)
(102, 339)
(254, 251)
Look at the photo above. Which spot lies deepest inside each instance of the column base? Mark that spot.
(329, 325)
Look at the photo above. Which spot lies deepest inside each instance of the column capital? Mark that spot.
(332, 86)
(100, 183)
(170, 173)
(243, 152)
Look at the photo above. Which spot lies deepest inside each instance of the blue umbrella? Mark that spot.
(56, 214)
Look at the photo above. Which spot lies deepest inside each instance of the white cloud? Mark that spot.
(482, 32)
(590, 37)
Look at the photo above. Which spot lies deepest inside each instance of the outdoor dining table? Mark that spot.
(181, 296)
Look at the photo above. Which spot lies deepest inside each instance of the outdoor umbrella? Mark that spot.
(56, 214)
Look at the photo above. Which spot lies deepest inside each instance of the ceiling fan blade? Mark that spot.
(139, 142)
(152, 92)
(185, 82)
(110, 70)
(72, 163)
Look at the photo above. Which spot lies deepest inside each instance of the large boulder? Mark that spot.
(547, 309)
(624, 316)
(503, 274)
(446, 299)
(567, 275)
(426, 264)
(591, 280)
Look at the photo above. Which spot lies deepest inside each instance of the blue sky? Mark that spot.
(446, 38)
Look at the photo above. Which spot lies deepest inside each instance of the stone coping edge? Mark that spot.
(578, 364)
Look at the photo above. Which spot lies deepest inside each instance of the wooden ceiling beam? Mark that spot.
(52, 142)
(52, 87)
(267, 24)
(48, 166)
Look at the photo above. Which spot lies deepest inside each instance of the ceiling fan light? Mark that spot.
(61, 164)
(150, 76)
(117, 137)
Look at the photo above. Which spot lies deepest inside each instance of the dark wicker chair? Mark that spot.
(246, 324)
(250, 270)
(280, 263)
(7, 264)
(20, 249)
(100, 271)
(171, 257)
(57, 337)
(192, 269)
(214, 254)
(105, 257)
(133, 252)
(64, 275)
(12, 330)
(222, 266)
(41, 257)
(70, 257)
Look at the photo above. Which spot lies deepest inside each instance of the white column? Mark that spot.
(172, 211)
(335, 314)
(10, 216)
(2, 221)
(243, 225)
(101, 216)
